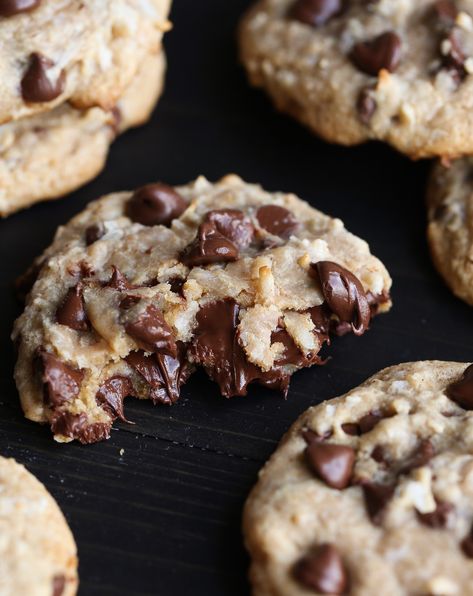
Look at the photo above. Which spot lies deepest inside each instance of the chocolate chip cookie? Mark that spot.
(50, 154)
(37, 551)
(143, 287)
(371, 492)
(85, 53)
(449, 203)
(394, 71)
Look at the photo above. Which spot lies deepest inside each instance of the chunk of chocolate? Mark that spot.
(323, 571)
(71, 311)
(118, 281)
(344, 295)
(8, 8)
(61, 381)
(233, 224)
(277, 220)
(377, 496)
(436, 519)
(461, 392)
(331, 463)
(94, 232)
(309, 436)
(36, 85)
(421, 457)
(382, 52)
(315, 12)
(151, 332)
(111, 395)
(209, 246)
(155, 204)
(77, 426)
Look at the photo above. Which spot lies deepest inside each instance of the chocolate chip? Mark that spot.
(111, 395)
(155, 204)
(77, 426)
(436, 519)
(151, 332)
(377, 497)
(210, 246)
(216, 347)
(277, 220)
(176, 284)
(467, 544)
(291, 353)
(461, 392)
(369, 421)
(71, 311)
(379, 454)
(118, 281)
(309, 435)
(421, 457)
(351, 428)
(36, 86)
(344, 295)
(233, 224)
(315, 12)
(320, 316)
(332, 463)
(162, 373)
(323, 571)
(59, 582)
(366, 105)
(61, 381)
(94, 233)
(382, 52)
(8, 8)
(446, 11)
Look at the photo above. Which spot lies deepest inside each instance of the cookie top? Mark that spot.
(371, 489)
(106, 43)
(141, 288)
(397, 71)
(52, 153)
(450, 227)
(38, 555)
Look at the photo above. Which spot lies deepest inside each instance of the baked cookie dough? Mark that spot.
(450, 224)
(391, 70)
(53, 153)
(86, 53)
(38, 556)
(143, 287)
(371, 492)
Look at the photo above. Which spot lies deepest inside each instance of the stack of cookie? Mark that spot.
(398, 72)
(74, 75)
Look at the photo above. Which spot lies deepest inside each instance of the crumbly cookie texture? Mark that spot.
(371, 489)
(450, 227)
(53, 153)
(141, 288)
(106, 44)
(396, 71)
(38, 555)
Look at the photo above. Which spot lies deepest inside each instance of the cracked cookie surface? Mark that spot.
(38, 555)
(374, 488)
(141, 288)
(390, 70)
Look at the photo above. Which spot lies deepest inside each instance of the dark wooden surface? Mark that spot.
(164, 518)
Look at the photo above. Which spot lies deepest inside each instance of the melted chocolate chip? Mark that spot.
(8, 8)
(436, 519)
(382, 52)
(461, 392)
(59, 583)
(176, 284)
(210, 246)
(377, 496)
(155, 204)
(164, 374)
(421, 457)
(320, 316)
(111, 395)
(331, 463)
(152, 333)
(71, 312)
(315, 12)
(366, 105)
(36, 86)
(276, 220)
(61, 381)
(322, 571)
(216, 347)
(379, 454)
(467, 544)
(309, 436)
(77, 426)
(94, 233)
(118, 281)
(233, 224)
(344, 295)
